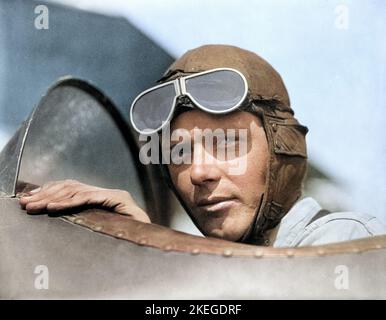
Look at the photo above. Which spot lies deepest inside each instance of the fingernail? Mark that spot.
(35, 190)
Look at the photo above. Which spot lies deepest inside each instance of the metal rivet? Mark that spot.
(98, 228)
(259, 253)
(274, 126)
(79, 220)
(142, 241)
(321, 252)
(119, 234)
(227, 252)
(195, 251)
(290, 253)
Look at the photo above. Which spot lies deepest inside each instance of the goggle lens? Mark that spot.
(151, 110)
(214, 91)
(217, 91)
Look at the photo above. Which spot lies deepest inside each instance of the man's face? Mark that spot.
(222, 201)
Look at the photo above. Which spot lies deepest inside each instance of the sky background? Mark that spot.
(330, 54)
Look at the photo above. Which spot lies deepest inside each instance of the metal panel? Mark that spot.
(84, 264)
(10, 162)
(75, 134)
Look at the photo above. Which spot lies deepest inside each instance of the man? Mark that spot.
(219, 87)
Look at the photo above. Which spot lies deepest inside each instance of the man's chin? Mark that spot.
(222, 234)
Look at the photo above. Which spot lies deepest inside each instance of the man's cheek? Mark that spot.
(237, 166)
(184, 187)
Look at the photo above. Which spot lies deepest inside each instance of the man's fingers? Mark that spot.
(38, 203)
(75, 201)
(36, 207)
(47, 196)
(43, 191)
(56, 203)
(54, 195)
(67, 194)
(54, 191)
(84, 196)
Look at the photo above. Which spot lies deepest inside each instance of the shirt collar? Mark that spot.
(295, 220)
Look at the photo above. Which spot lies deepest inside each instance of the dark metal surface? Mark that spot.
(86, 264)
(75, 132)
(9, 162)
(156, 236)
(74, 135)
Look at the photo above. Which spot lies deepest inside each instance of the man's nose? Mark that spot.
(203, 169)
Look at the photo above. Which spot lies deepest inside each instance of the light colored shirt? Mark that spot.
(296, 230)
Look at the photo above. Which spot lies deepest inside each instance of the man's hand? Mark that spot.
(59, 195)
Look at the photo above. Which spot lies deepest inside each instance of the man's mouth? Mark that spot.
(214, 204)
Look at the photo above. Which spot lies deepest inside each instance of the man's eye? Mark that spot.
(228, 141)
(181, 154)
